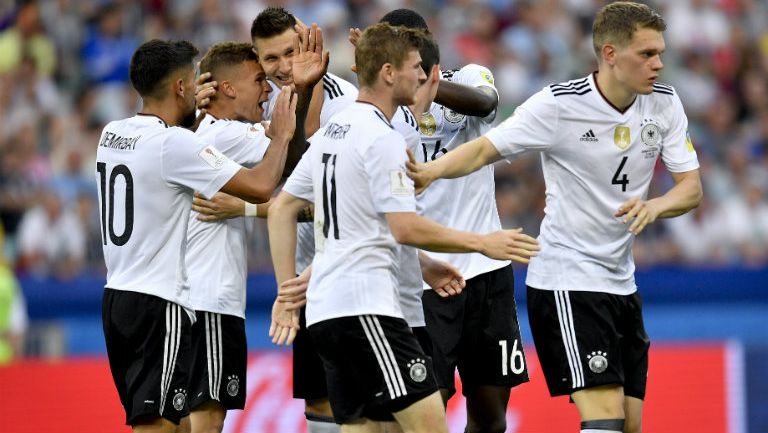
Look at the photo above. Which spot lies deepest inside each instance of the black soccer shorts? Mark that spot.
(374, 366)
(587, 339)
(148, 346)
(219, 361)
(308, 372)
(478, 332)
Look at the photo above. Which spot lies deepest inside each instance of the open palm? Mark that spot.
(310, 63)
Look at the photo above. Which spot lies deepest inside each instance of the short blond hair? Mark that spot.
(617, 22)
(382, 43)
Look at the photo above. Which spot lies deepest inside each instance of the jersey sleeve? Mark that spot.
(299, 183)
(474, 75)
(189, 162)
(391, 189)
(677, 150)
(531, 127)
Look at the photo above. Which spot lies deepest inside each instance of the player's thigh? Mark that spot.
(445, 323)
(220, 359)
(633, 415)
(374, 366)
(491, 345)
(154, 369)
(309, 381)
(578, 338)
(424, 416)
(600, 402)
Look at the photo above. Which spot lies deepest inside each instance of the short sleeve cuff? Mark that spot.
(226, 172)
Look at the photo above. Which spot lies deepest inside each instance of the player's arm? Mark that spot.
(256, 185)
(465, 159)
(310, 63)
(281, 224)
(681, 198)
(472, 101)
(412, 229)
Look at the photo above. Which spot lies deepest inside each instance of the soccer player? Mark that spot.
(217, 252)
(146, 170)
(353, 172)
(599, 138)
(481, 338)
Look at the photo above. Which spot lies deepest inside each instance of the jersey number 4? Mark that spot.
(107, 192)
(329, 198)
(623, 180)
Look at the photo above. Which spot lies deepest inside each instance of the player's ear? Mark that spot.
(225, 87)
(387, 73)
(434, 75)
(608, 54)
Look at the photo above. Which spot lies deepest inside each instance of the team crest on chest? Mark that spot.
(622, 137)
(452, 116)
(427, 124)
(650, 135)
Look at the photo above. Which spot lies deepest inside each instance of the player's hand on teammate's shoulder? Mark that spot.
(310, 62)
(220, 207)
(284, 324)
(639, 212)
(510, 245)
(419, 172)
(283, 123)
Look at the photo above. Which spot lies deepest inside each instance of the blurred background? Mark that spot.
(703, 276)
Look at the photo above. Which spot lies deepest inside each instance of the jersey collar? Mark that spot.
(593, 80)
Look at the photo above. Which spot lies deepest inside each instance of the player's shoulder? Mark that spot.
(336, 87)
(569, 89)
(471, 73)
(404, 116)
(662, 90)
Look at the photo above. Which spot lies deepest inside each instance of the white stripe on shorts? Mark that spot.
(170, 350)
(384, 356)
(214, 354)
(565, 317)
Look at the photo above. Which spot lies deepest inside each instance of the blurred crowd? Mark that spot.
(64, 74)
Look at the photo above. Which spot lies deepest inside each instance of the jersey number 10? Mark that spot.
(108, 191)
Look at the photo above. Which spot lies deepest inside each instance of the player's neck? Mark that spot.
(221, 112)
(378, 99)
(613, 91)
(166, 110)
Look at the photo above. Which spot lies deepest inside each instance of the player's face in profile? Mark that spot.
(189, 99)
(639, 63)
(408, 79)
(252, 90)
(276, 57)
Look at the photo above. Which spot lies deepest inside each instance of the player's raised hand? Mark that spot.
(284, 325)
(639, 212)
(283, 122)
(510, 245)
(220, 207)
(443, 278)
(419, 172)
(310, 62)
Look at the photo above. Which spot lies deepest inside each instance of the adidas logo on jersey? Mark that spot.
(588, 136)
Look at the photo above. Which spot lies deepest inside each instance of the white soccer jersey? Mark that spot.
(146, 173)
(354, 172)
(594, 159)
(409, 278)
(467, 203)
(217, 251)
(338, 95)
